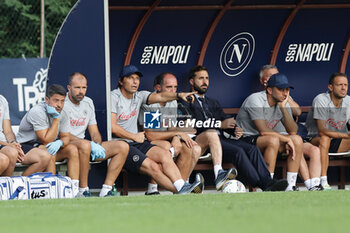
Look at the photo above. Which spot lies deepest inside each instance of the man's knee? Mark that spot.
(4, 162)
(71, 152)
(150, 167)
(11, 153)
(196, 152)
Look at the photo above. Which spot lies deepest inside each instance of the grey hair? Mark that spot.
(266, 67)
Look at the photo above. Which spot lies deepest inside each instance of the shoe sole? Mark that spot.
(230, 176)
(200, 187)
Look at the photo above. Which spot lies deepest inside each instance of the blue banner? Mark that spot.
(23, 84)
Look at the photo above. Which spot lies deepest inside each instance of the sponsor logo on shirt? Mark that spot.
(338, 125)
(272, 124)
(237, 54)
(309, 52)
(125, 117)
(175, 54)
(77, 122)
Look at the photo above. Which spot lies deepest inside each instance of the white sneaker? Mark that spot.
(326, 187)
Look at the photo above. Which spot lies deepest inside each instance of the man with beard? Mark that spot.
(327, 121)
(247, 158)
(261, 116)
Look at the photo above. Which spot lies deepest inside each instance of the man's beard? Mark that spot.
(199, 90)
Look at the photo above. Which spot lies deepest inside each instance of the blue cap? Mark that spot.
(279, 80)
(129, 70)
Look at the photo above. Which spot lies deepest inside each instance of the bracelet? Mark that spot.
(14, 140)
(177, 95)
(178, 136)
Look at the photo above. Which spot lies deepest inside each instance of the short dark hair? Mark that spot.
(334, 75)
(196, 69)
(71, 76)
(160, 78)
(55, 89)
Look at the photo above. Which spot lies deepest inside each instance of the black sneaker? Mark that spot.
(277, 185)
(316, 188)
(191, 188)
(152, 193)
(223, 176)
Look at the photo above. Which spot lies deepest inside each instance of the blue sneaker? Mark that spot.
(110, 194)
(195, 187)
(223, 176)
(84, 194)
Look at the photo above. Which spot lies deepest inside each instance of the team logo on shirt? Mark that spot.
(151, 120)
(237, 54)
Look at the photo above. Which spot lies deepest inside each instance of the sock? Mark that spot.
(179, 184)
(172, 151)
(105, 189)
(315, 181)
(217, 168)
(324, 180)
(152, 188)
(272, 174)
(188, 180)
(292, 180)
(75, 187)
(308, 183)
(81, 190)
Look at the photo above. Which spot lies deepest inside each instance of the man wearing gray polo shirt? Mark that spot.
(143, 157)
(260, 113)
(327, 121)
(46, 124)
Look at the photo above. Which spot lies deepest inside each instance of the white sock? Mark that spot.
(324, 180)
(217, 168)
(152, 188)
(172, 151)
(315, 181)
(308, 183)
(292, 180)
(179, 184)
(75, 187)
(272, 174)
(105, 189)
(81, 190)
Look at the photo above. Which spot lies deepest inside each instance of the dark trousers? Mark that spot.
(247, 158)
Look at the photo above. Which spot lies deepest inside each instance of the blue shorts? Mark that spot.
(136, 156)
(251, 139)
(25, 147)
(334, 146)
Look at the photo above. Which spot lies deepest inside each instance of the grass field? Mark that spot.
(245, 212)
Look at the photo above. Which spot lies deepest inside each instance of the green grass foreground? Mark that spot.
(245, 212)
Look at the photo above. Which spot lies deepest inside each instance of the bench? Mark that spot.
(340, 160)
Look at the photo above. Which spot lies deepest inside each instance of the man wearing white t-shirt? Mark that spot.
(11, 151)
(143, 156)
(260, 113)
(327, 121)
(81, 112)
(46, 124)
